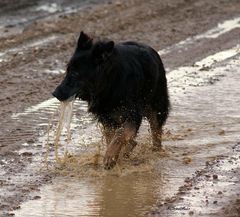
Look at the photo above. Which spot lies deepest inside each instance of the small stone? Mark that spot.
(188, 179)
(187, 160)
(36, 197)
(27, 154)
(221, 133)
(215, 176)
(30, 140)
(16, 207)
(191, 213)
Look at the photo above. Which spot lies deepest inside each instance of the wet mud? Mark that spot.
(160, 178)
(34, 49)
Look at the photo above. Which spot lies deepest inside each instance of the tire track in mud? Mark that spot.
(211, 191)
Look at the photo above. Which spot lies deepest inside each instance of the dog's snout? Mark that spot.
(54, 93)
(58, 93)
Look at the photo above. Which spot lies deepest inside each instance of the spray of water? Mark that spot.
(64, 121)
(89, 163)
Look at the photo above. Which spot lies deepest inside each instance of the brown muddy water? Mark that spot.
(202, 127)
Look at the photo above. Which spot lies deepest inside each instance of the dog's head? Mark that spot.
(83, 67)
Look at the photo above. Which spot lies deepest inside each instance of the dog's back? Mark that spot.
(136, 79)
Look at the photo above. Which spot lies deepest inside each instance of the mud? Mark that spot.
(202, 165)
(36, 43)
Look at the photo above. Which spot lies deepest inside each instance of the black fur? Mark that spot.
(121, 82)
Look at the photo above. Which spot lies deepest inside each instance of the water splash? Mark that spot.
(64, 121)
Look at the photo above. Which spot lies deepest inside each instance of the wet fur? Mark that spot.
(122, 83)
(130, 82)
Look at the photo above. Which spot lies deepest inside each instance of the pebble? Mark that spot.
(191, 213)
(36, 197)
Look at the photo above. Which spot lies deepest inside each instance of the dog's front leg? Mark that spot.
(122, 136)
(108, 133)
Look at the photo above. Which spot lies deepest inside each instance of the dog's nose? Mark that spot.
(56, 93)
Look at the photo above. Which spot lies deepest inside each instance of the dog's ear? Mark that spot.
(108, 47)
(84, 41)
(102, 50)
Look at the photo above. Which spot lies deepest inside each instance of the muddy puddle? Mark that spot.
(108, 196)
(198, 131)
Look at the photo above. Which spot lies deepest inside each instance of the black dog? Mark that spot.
(122, 83)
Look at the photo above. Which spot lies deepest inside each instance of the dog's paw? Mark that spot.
(109, 161)
(112, 154)
(129, 148)
(157, 146)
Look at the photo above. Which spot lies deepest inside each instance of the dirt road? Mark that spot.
(37, 40)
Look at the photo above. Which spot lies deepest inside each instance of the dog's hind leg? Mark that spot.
(156, 130)
(156, 120)
(157, 115)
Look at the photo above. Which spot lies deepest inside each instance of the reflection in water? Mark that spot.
(128, 195)
(107, 196)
